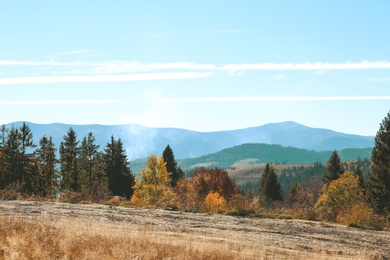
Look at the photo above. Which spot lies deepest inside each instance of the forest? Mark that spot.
(355, 193)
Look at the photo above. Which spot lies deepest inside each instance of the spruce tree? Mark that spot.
(89, 161)
(378, 184)
(69, 165)
(171, 165)
(28, 168)
(359, 174)
(334, 168)
(270, 188)
(46, 159)
(117, 168)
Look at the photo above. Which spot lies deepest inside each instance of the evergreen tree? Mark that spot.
(3, 167)
(90, 161)
(28, 168)
(334, 168)
(378, 184)
(171, 165)
(12, 157)
(117, 169)
(359, 174)
(69, 165)
(46, 160)
(270, 189)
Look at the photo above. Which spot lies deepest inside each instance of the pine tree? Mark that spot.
(3, 165)
(117, 169)
(12, 157)
(46, 159)
(270, 188)
(359, 174)
(378, 184)
(89, 161)
(69, 165)
(334, 168)
(28, 168)
(171, 165)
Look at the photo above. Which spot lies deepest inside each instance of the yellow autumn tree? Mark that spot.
(153, 184)
(340, 196)
(214, 202)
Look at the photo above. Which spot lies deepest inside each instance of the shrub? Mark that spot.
(214, 202)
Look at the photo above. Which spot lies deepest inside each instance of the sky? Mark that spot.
(199, 65)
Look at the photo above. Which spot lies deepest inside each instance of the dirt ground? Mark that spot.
(251, 238)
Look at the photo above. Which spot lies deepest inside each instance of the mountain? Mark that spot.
(141, 141)
(258, 154)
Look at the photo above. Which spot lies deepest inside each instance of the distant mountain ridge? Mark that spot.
(141, 141)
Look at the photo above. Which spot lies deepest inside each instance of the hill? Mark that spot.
(258, 154)
(141, 141)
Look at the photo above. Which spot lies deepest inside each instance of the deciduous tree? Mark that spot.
(153, 183)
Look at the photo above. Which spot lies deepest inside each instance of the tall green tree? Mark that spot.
(27, 169)
(12, 157)
(69, 162)
(270, 188)
(334, 168)
(3, 163)
(117, 169)
(358, 172)
(46, 161)
(171, 165)
(378, 184)
(90, 161)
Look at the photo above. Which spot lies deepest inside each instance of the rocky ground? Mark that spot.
(250, 237)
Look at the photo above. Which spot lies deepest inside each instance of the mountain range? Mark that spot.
(141, 141)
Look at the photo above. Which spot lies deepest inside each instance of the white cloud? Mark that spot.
(103, 78)
(363, 65)
(242, 99)
(59, 102)
(37, 63)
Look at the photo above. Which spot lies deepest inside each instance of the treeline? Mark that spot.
(34, 169)
(338, 192)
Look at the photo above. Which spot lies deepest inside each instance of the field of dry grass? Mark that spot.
(37, 230)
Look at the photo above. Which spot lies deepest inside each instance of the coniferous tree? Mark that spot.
(171, 165)
(117, 169)
(46, 161)
(12, 157)
(378, 184)
(270, 189)
(69, 165)
(90, 161)
(334, 168)
(3, 167)
(28, 169)
(359, 174)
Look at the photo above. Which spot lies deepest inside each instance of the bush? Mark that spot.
(214, 202)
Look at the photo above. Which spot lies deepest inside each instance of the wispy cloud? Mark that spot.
(103, 78)
(363, 65)
(38, 63)
(58, 102)
(245, 99)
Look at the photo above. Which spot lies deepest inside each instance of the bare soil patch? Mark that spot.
(244, 238)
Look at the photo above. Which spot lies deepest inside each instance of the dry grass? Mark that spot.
(24, 238)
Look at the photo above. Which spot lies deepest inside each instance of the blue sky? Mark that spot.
(199, 65)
